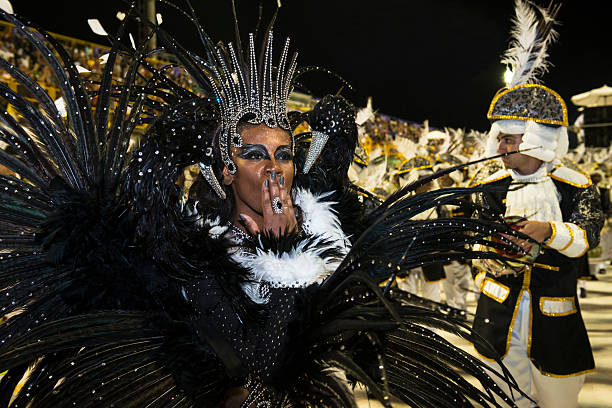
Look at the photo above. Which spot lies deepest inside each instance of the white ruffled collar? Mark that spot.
(540, 174)
(538, 199)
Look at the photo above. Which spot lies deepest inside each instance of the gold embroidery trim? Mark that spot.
(499, 94)
(491, 181)
(530, 323)
(566, 181)
(544, 266)
(482, 272)
(453, 214)
(551, 174)
(526, 282)
(526, 278)
(590, 370)
(571, 238)
(553, 235)
(524, 288)
(586, 241)
(427, 166)
(469, 184)
(557, 299)
(513, 117)
(491, 295)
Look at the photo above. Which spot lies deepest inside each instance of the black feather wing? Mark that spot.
(89, 314)
(386, 341)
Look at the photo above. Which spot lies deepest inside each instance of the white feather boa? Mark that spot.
(300, 267)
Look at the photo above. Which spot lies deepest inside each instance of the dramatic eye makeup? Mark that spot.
(254, 152)
(259, 152)
(283, 153)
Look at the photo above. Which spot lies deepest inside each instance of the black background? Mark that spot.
(435, 59)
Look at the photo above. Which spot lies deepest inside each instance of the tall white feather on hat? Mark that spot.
(6, 6)
(531, 35)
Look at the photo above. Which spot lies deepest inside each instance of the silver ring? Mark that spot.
(277, 205)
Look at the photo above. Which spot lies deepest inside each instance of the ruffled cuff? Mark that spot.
(568, 238)
(479, 279)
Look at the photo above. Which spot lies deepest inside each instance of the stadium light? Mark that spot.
(508, 76)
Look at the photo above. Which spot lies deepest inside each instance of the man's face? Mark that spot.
(507, 143)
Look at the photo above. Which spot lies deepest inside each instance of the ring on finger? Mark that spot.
(277, 205)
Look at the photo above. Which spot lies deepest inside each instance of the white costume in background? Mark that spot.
(457, 285)
(415, 281)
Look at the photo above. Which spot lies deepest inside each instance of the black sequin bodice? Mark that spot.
(259, 338)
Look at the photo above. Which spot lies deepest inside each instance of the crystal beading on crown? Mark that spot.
(242, 95)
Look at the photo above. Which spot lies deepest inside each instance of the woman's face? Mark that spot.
(264, 150)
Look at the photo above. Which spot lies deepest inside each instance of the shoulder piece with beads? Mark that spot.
(571, 177)
(498, 175)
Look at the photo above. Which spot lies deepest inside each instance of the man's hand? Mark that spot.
(539, 231)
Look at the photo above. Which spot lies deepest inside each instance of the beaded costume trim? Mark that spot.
(495, 290)
(557, 306)
(541, 113)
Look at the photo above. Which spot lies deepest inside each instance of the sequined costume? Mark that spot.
(551, 281)
(530, 313)
(119, 291)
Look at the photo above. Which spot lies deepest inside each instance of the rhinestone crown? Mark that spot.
(247, 92)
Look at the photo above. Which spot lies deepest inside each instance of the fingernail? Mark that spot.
(281, 180)
(273, 175)
(266, 182)
(241, 217)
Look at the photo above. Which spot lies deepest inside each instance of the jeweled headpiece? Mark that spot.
(245, 93)
(529, 102)
(526, 58)
(525, 106)
(250, 92)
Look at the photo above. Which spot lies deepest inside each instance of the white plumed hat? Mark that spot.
(526, 107)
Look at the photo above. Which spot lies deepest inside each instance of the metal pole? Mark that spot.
(150, 5)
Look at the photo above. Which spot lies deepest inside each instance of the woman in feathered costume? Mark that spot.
(261, 289)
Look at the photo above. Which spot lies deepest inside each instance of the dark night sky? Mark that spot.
(434, 59)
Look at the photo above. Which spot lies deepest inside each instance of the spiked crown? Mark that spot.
(251, 94)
